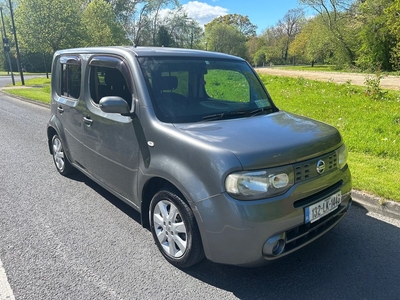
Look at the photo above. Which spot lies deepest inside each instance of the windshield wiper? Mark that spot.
(214, 116)
(230, 114)
(259, 111)
(224, 115)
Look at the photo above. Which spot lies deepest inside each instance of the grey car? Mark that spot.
(193, 141)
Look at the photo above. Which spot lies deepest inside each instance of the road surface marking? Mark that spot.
(6, 292)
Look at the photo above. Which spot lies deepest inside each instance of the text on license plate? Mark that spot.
(322, 208)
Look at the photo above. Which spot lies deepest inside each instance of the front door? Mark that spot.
(109, 140)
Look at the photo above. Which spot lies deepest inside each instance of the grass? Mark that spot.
(319, 68)
(370, 128)
(332, 68)
(228, 85)
(37, 89)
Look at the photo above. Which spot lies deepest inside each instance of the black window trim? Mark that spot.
(70, 60)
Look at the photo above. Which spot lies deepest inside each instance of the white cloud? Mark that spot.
(203, 12)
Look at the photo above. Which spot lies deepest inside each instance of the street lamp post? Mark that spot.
(16, 45)
(6, 45)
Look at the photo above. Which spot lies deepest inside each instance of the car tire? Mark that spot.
(61, 161)
(175, 230)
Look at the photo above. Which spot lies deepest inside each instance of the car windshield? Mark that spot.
(203, 89)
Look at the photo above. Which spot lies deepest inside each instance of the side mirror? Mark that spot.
(115, 105)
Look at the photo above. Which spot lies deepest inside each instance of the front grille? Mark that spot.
(308, 169)
(318, 196)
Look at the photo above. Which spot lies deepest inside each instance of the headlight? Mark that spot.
(259, 184)
(342, 154)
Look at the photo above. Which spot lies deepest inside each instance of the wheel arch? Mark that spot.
(152, 186)
(55, 127)
(51, 131)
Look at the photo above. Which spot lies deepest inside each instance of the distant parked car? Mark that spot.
(193, 141)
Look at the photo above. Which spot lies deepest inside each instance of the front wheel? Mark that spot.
(175, 230)
(60, 160)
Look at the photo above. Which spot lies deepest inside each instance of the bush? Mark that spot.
(374, 89)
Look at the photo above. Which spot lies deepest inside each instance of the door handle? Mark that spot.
(88, 121)
(60, 109)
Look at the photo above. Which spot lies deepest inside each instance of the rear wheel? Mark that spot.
(175, 230)
(60, 160)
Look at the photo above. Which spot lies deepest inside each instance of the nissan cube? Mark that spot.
(193, 141)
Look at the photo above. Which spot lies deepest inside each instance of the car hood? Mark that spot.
(269, 140)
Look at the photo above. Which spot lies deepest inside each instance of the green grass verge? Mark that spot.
(377, 175)
(37, 89)
(319, 68)
(228, 85)
(332, 68)
(371, 129)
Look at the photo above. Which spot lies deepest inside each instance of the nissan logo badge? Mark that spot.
(320, 166)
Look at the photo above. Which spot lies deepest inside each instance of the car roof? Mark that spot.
(148, 51)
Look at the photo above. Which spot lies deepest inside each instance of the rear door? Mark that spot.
(109, 140)
(67, 83)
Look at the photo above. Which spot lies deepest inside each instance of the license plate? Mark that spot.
(318, 210)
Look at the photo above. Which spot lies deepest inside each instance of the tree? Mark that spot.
(277, 39)
(313, 43)
(140, 27)
(274, 41)
(290, 26)
(147, 18)
(100, 25)
(253, 45)
(393, 23)
(260, 57)
(338, 16)
(155, 7)
(123, 9)
(163, 37)
(375, 37)
(48, 25)
(241, 23)
(185, 31)
(227, 39)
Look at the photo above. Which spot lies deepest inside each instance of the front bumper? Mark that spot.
(236, 232)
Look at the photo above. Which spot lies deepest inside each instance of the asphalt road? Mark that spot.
(6, 80)
(68, 238)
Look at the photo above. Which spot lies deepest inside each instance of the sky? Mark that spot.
(263, 13)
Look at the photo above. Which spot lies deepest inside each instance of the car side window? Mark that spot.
(108, 81)
(70, 77)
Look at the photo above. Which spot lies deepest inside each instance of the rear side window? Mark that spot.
(70, 77)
